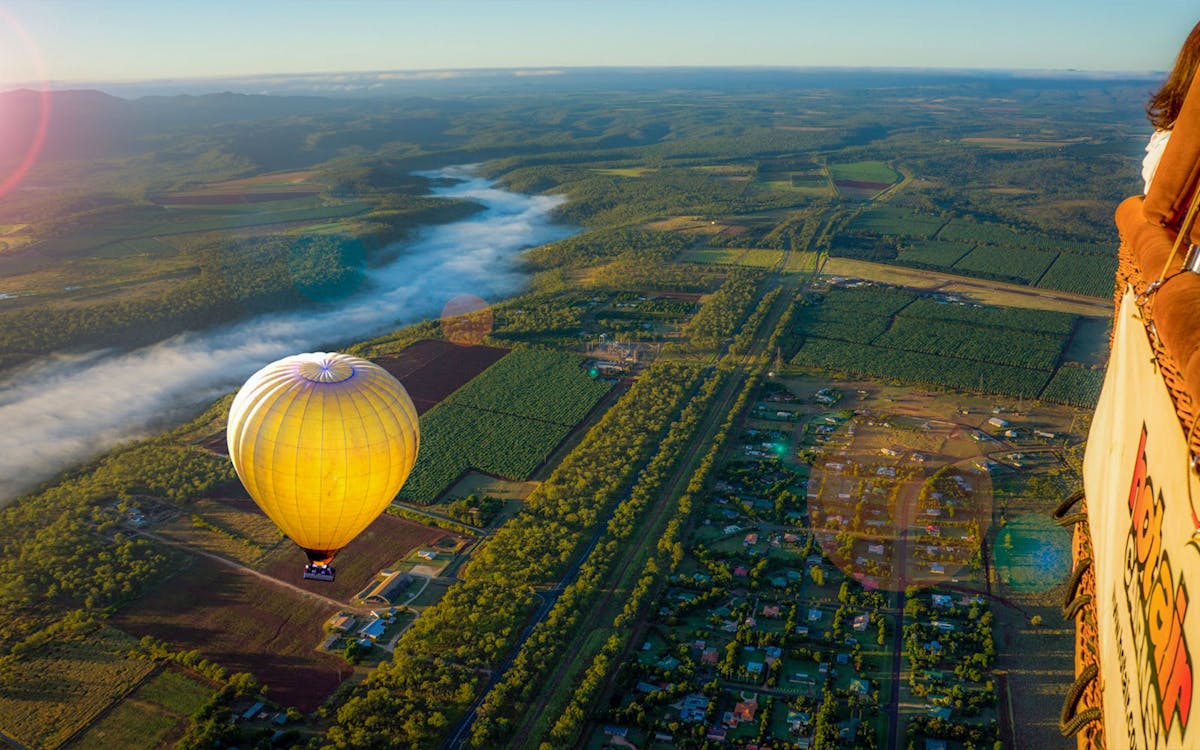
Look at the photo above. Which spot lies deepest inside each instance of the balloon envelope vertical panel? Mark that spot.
(322, 442)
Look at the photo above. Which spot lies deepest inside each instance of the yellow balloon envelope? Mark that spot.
(322, 442)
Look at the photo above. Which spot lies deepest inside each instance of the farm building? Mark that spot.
(387, 590)
(341, 623)
(250, 712)
(373, 630)
(998, 423)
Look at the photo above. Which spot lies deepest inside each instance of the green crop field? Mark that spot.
(1012, 262)
(894, 220)
(974, 342)
(865, 171)
(1077, 386)
(861, 330)
(920, 368)
(1016, 318)
(504, 422)
(890, 333)
(962, 230)
(1083, 274)
(933, 252)
(548, 386)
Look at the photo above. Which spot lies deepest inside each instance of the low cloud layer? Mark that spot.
(65, 409)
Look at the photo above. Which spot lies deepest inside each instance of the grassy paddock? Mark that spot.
(175, 692)
(132, 724)
(62, 687)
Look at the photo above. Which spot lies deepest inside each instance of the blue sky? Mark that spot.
(109, 40)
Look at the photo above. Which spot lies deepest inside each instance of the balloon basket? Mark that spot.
(318, 573)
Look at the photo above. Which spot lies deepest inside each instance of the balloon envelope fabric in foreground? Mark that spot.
(322, 442)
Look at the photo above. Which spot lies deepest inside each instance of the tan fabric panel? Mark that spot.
(1179, 171)
(1140, 493)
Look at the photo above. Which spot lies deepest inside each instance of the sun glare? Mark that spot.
(21, 65)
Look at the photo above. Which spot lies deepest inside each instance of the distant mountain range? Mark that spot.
(86, 124)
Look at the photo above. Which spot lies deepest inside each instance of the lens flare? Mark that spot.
(898, 501)
(466, 320)
(28, 148)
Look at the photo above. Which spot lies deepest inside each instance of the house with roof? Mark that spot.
(933, 647)
(814, 614)
(942, 601)
(754, 668)
(797, 720)
(716, 733)
(373, 630)
(693, 708)
(861, 622)
(741, 571)
(668, 663)
(859, 686)
(710, 658)
(773, 654)
(771, 610)
(745, 710)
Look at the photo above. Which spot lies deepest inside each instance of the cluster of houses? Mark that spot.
(365, 630)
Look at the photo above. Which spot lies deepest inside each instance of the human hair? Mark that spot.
(1165, 104)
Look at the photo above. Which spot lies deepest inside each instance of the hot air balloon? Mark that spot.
(322, 442)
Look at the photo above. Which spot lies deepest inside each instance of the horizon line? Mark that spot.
(428, 75)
